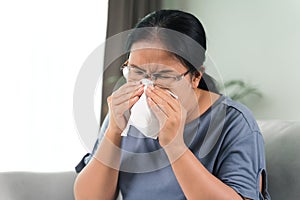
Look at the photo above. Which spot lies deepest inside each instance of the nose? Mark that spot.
(147, 82)
(150, 77)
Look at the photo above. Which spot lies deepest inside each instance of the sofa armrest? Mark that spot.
(37, 186)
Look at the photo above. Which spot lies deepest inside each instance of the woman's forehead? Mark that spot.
(148, 44)
(152, 56)
(154, 60)
(144, 53)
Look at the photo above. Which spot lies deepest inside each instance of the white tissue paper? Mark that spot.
(142, 117)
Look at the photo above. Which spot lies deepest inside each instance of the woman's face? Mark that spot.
(152, 59)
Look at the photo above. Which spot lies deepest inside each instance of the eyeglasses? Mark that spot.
(161, 79)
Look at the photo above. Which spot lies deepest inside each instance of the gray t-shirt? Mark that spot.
(225, 139)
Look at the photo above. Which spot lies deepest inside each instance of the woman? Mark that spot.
(212, 145)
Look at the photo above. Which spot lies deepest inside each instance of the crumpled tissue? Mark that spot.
(142, 117)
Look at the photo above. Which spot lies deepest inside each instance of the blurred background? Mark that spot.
(43, 45)
(257, 42)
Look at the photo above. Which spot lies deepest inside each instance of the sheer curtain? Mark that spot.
(122, 15)
(43, 46)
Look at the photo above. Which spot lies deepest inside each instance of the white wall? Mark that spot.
(257, 41)
(43, 45)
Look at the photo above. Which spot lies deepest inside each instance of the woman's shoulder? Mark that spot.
(231, 113)
(237, 109)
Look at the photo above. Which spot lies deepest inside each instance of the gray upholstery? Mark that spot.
(36, 186)
(282, 144)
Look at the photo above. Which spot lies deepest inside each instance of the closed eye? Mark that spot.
(163, 76)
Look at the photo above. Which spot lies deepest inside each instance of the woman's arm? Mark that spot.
(98, 180)
(194, 179)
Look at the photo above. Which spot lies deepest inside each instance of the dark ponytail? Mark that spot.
(184, 23)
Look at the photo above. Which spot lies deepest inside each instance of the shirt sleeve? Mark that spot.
(242, 161)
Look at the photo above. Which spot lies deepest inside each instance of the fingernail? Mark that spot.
(149, 90)
(150, 87)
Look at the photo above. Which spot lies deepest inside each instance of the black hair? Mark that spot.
(184, 23)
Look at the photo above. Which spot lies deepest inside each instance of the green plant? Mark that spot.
(238, 89)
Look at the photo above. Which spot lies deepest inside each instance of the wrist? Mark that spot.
(113, 135)
(109, 153)
(175, 150)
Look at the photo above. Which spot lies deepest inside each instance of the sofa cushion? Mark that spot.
(282, 146)
(36, 186)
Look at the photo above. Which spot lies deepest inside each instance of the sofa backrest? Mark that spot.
(282, 146)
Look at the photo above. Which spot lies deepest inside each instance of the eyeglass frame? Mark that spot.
(150, 75)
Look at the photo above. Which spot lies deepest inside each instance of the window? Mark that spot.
(43, 46)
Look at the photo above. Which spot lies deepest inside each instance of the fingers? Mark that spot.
(164, 100)
(126, 89)
(121, 101)
(127, 94)
(169, 112)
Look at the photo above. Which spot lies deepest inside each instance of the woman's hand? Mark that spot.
(120, 102)
(171, 115)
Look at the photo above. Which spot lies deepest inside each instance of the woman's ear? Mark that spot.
(196, 77)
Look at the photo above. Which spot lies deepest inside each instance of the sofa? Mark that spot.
(282, 145)
(36, 186)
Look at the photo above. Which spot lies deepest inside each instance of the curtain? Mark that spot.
(122, 15)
